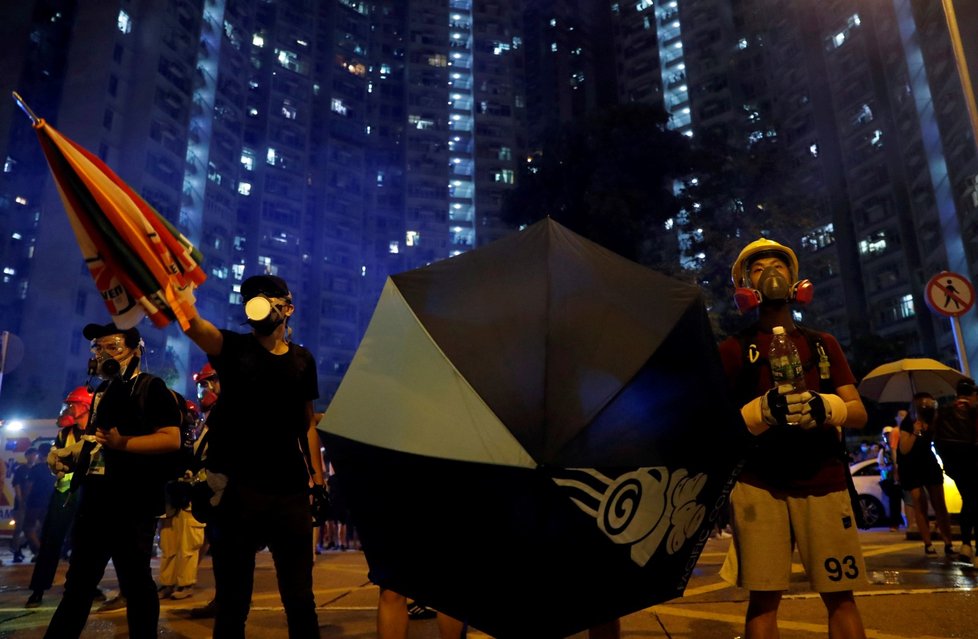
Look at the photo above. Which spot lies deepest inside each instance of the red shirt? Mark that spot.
(790, 460)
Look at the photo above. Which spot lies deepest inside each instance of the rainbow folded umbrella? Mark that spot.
(140, 262)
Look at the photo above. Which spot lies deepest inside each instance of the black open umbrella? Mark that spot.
(535, 436)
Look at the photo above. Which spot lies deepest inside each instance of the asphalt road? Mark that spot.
(912, 596)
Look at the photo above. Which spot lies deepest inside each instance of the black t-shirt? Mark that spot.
(134, 477)
(41, 485)
(956, 422)
(256, 425)
(20, 479)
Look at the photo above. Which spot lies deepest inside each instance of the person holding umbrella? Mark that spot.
(793, 487)
(268, 385)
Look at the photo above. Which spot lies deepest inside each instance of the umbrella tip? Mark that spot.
(23, 107)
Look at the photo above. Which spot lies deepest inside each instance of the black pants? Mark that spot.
(57, 522)
(109, 528)
(246, 520)
(961, 465)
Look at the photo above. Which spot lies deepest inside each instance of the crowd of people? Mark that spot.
(118, 443)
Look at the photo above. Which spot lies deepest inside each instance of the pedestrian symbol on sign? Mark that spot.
(949, 294)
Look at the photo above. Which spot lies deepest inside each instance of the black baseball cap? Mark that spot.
(267, 285)
(95, 331)
(966, 386)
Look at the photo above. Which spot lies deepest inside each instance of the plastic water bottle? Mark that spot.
(786, 369)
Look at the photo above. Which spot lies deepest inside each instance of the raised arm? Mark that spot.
(205, 335)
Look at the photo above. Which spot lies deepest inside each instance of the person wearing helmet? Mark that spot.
(72, 422)
(208, 392)
(268, 385)
(793, 488)
(181, 534)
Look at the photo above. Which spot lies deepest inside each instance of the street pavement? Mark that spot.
(912, 596)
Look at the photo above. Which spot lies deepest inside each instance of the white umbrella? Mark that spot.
(898, 381)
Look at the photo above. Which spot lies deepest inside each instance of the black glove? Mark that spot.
(320, 504)
(774, 407)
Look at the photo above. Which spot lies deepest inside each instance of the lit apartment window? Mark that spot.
(271, 157)
(258, 40)
(248, 159)
(874, 244)
(289, 111)
(213, 174)
(394, 247)
(877, 139)
(505, 176)
(9, 164)
(336, 106)
(819, 238)
(412, 238)
(643, 5)
(20, 199)
(905, 308)
(124, 22)
(244, 188)
(438, 60)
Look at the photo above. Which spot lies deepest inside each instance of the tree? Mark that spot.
(609, 177)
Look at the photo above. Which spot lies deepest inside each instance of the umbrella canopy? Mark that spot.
(898, 381)
(548, 420)
(140, 263)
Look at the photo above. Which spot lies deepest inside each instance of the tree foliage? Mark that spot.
(608, 177)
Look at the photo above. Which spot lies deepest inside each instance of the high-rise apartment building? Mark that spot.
(864, 106)
(331, 142)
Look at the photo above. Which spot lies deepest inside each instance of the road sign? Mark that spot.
(949, 294)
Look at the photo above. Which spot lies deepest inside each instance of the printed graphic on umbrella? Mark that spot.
(898, 381)
(538, 422)
(140, 262)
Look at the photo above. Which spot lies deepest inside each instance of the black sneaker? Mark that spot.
(116, 603)
(416, 611)
(35, 599)
(204, 612)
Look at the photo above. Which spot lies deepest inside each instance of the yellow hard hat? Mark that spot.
(738, 272)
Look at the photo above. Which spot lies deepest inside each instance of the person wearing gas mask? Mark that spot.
(208, 392)
(118, 485)
(259, 430)
(72, 423)
(920, 471)
(792, 490)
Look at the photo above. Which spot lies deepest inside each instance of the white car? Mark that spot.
(875, 505)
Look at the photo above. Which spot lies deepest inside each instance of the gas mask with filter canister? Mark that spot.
(772, 285)
(267, 302)
(265, 314)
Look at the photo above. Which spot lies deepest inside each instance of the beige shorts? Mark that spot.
(767, 528)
